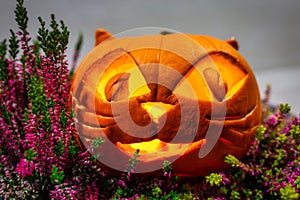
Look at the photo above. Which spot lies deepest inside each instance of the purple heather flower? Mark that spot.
(273, 120)
(122, 183)
(25, 168)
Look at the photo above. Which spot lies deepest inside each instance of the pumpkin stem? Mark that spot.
(233, 42)
(101, 35)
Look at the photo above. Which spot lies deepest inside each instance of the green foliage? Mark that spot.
(282, 138)
(72, 150)
(21, 15)
(297, 182)
(63, 119)
(258, 194)
(119, 192)
(97, 142)
(279, 159)
(37, 95)
(186, 196)
(214, 179)
(284, 108)
(79, 43)
(94, 157)
(13, 45)
(167, 166)
(232, 161)
(3, 63)
(53, 42)
(3, 48)
(234, 195)
(289, 193)
(156, 192)
(36, 52)
(260, 132)
(57, 176)
(5, 114)
(78, 47)
(30, 154)
(295, 131)
(59, 148)
(133, 161)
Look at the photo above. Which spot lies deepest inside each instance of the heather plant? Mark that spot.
(39, 158)
(38, 154)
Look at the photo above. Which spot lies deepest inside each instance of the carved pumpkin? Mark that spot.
(189, 99)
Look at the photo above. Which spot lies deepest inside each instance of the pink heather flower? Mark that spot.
(165, 174)
(273, 120)
(122, 183)
(25, 168)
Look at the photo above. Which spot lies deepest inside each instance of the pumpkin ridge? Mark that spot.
(153, 91)
(248, 118)
(178, 52)
(105, 60)
(236, 136)
(92, 119)
(230, 117)
(183, 76)
(229, 57)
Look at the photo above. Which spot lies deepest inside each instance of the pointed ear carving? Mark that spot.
(101, 35)
(233, 42)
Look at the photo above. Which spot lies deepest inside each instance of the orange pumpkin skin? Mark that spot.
(107, 103)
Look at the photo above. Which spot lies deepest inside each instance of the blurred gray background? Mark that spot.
(268, 31)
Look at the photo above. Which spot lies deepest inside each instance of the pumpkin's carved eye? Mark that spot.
(124, 82)
(232, 74)
(215, 77)
(117, 87)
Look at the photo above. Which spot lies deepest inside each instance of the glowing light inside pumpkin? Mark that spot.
(156, 109)
(137, 84)
(158, 149)
(144, 147)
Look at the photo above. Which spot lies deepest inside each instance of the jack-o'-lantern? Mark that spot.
(188, 99)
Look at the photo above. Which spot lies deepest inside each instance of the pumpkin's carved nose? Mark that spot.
(156, 109)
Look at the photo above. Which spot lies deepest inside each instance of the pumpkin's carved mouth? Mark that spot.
(233, 136)
(102, 123)
(157, 145)
(157, 149)
(154, 149)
